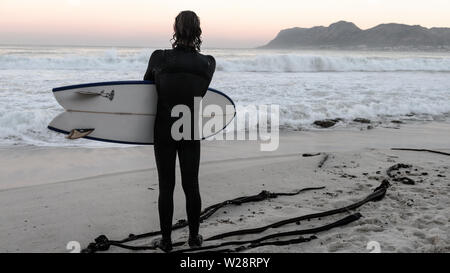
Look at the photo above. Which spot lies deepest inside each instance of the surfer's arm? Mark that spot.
(152, 64)
(211, 69)
(212, 65)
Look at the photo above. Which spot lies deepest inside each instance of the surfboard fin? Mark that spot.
(79, 133)
(102, 93)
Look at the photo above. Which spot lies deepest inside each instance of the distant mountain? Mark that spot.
(347, 35)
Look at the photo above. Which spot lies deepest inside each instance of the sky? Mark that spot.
(225, 23)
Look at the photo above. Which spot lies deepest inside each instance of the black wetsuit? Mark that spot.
(180, 75)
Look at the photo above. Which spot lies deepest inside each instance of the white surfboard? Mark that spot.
(122, 112)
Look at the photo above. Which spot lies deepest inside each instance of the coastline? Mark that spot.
(50, 196)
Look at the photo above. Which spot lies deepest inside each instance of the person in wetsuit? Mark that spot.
(180, 74)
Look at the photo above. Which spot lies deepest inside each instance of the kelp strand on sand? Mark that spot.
(102, 243)
(263, 240)
(322, 162)
(420, 150)
(377, 195)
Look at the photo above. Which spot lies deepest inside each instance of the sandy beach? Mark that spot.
(50, 196)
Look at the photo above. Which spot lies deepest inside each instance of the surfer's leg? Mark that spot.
(189, 156)
(165, 155)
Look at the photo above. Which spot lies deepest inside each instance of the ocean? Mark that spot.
(307, 85)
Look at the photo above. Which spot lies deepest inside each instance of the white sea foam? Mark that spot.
(316, 63)
(308, 86)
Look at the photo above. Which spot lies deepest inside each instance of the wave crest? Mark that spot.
(268, 62)
(313, 63)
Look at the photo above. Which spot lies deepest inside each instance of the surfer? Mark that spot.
(180, 74)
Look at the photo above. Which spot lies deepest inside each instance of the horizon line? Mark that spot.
(122, 46)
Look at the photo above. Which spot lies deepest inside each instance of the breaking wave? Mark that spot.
(113, 59)
(313, 63)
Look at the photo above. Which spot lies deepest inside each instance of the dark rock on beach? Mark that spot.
(326, 123)
(362, 120)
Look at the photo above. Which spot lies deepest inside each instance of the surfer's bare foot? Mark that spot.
(195, 241)
(163, 244)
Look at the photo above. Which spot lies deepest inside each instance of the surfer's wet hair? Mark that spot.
(187, 31)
